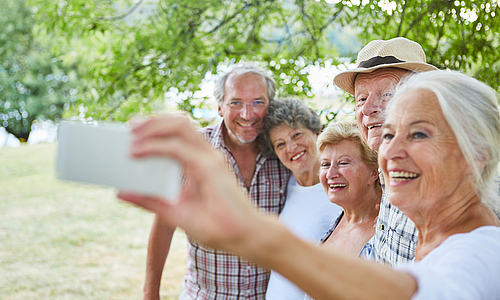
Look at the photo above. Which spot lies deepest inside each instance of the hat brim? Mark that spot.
(345, 80)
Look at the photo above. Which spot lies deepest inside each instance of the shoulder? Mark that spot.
(272, 163)
(209, 131)
(464, 266)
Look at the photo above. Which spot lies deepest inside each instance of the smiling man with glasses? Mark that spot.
(243, 95)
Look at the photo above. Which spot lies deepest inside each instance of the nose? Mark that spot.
(394, 149)
(290, 146)
(332, 173)
(246, 112)
(373, 105)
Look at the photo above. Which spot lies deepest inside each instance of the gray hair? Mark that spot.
(291, 112)
(220, 84)
(471, 109)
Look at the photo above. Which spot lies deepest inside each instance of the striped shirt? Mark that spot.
(215, 274)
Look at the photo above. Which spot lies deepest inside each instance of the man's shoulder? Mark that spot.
(209, 130)
(211, 133)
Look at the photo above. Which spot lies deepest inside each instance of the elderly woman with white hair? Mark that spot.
(439, 155)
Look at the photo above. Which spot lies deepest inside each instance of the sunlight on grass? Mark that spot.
(64, 240)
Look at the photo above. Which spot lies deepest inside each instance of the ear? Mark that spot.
(220, 112)
(480, 162)
(373, 177)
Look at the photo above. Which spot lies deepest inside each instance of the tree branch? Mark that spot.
(402, 18)
(123, 16)
(223, 22)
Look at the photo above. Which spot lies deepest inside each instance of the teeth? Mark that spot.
(245, 125)
(298, 155)
(374, 125)
(338, 185)
(400, 176)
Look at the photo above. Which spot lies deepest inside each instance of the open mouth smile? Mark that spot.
(246, 124)
(402, 176)
(337, 185)
(299, 155)
(374, 126)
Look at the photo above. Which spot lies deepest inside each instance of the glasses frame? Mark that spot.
(239, 105)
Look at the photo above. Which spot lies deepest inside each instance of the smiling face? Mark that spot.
(296, 148)
(243, 126)
(343, 174)
(372, 93)
(419, 155)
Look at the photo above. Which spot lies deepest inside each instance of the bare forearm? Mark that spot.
(320, 272)
(158, 248)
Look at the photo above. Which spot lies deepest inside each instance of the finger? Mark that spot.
(153, 204)
(165, 125)
(169, 126)
(198, 161)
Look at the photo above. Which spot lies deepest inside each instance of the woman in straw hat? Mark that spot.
(439, 155)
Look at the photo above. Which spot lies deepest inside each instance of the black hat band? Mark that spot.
(379, 60)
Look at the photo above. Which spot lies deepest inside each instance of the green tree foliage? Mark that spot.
(458, 35)
(34, 85)
(142, 50)
(131, 53)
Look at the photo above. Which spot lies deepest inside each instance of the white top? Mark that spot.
(464, 266)
(308, 213)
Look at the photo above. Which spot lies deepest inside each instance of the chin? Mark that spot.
(246, 140)
(397, 200)
(374, 143)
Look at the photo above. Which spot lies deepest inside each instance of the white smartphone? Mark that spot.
(100, 154)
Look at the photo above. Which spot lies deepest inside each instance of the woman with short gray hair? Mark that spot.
(290, 130)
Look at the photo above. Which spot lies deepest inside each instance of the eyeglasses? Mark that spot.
(255, 105)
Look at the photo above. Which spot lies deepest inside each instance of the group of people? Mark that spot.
(410, 188)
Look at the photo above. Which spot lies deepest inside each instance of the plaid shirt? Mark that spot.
(395, 234)
(214, 274)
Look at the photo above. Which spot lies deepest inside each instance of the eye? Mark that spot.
(387, 136)
(279, 145)
(360, 101)
(258, 103)
(325, 165)
(235, 103)
(343, 163)
(297, 134)
(419, 135)
(387, 95)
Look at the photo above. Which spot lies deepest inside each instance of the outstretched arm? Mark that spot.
(212, 209)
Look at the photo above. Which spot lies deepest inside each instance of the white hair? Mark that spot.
(239, 70)
(471, 109)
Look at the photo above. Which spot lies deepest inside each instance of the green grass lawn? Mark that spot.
(64, 240)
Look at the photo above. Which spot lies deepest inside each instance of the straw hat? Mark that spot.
(397, 52)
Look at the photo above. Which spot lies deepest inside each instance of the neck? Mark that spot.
(309, 177)
(457, 214)
(236, 146)
(364, 210)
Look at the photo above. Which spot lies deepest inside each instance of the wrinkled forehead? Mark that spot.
(236, 78)
(413, 104)
(379, 79)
